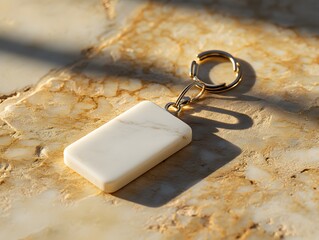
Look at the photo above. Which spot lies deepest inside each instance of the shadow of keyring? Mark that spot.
(243, 121)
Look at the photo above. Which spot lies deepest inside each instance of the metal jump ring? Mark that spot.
(213, 88)
(183, 100)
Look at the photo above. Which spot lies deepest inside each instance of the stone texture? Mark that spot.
(251, 171)
(44, 35)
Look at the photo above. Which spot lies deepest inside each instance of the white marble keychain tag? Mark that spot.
(127, 146)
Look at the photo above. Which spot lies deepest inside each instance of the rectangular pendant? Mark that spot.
(127, 146)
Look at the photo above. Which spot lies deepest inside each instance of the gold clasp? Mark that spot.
(183, 100)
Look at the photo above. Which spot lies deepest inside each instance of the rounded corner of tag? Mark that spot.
(189, 135)
(109, 187)
(144, 102)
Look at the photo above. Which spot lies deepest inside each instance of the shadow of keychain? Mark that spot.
(140, 138)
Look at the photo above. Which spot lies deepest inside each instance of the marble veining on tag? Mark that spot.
(127, 146)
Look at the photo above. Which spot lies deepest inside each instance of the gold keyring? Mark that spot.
(213, 88)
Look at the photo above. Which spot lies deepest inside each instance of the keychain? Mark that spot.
(140, 138)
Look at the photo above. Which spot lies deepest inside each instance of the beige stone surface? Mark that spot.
(38, 36)
(251, 171)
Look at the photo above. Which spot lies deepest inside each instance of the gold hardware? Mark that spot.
(183, 100)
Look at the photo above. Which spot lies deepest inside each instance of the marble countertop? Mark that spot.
(252, 169)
